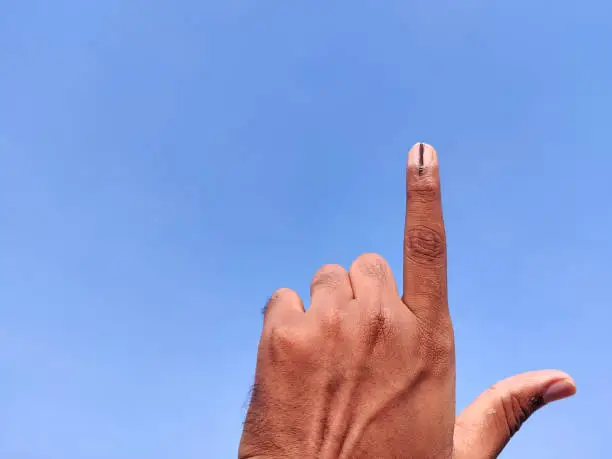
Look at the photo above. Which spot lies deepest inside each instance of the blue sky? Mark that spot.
(164, 166)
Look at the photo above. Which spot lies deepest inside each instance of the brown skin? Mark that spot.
(367, 373)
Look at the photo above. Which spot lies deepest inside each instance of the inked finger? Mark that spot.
(425, 288)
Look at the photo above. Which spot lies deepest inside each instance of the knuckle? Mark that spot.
(284, 341)
(445, 344)
(514, 410)
(280, 296)
(516, 413)
(371, 265)
(424, 190)
(331, 320)
(425, 245)
(328, 276)
(431, 295)
(438, 348)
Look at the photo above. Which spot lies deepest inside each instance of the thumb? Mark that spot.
(484, 428)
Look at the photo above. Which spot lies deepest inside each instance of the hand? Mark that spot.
(365, 373)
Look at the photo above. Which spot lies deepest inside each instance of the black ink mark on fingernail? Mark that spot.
(421, 152)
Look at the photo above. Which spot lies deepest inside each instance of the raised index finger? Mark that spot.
(425, 290)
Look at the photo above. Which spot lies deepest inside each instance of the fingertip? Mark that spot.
(286, 295)
(421, 156)
(551, 385)
(283, 299)
(559, 390)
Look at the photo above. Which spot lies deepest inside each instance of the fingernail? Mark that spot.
(558, 390)
(421, 156)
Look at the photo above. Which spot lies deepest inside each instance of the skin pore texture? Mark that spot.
(369, 371)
